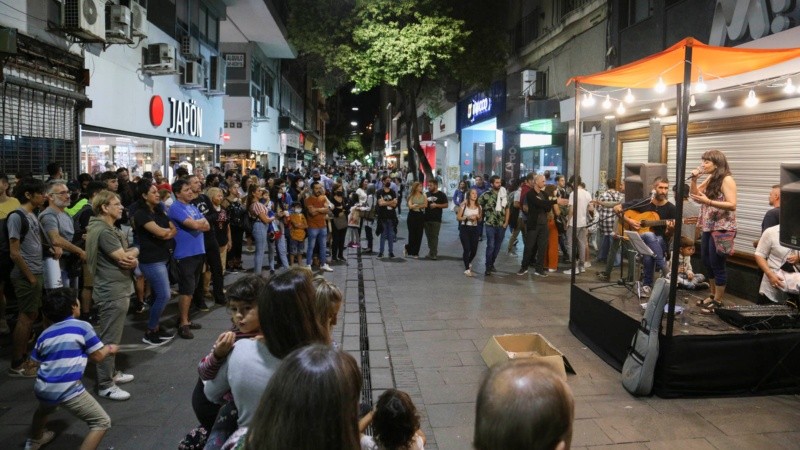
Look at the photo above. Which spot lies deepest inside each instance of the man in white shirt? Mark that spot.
(770, 256)
(581, 208)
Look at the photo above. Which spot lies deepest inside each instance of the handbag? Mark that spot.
(723, 241)
(340, 222)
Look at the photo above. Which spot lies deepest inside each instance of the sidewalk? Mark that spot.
(420, 325)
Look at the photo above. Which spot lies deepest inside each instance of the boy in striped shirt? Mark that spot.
(62, 351)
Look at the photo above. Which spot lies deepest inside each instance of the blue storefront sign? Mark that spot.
(481, 106)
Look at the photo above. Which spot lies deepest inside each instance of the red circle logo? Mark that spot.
(466, 162)
(156, 111)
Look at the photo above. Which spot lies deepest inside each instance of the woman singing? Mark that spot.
(717, 198)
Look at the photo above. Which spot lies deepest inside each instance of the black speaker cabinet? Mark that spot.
(790, 205)
(639, 178)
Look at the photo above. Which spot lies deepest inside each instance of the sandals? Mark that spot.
(710, 308)
(706, 301)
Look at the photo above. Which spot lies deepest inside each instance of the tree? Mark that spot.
(406, 44)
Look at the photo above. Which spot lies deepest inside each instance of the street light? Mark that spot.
(355, 108)
(354, 124)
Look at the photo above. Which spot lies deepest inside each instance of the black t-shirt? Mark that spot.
(538, 207)
(386, 212)
(666, 211)
(151, 248)
(434, 214)
(203, 203)
(771, 218)
(219, 224)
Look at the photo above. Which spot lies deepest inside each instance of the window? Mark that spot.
(162, 14)
(201, 22)
(634, 11)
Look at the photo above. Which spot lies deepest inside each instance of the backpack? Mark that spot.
(237, 213)
(5, 242)
(639, 367)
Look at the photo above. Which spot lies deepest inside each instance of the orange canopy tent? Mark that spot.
(679, 65)
(712, 61)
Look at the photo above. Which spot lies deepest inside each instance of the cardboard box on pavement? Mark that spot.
(501, 348)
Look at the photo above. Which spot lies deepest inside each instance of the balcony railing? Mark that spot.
(564, 7)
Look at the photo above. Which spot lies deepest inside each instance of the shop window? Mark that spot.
(104, 151)
(634, 11)
(196, 158)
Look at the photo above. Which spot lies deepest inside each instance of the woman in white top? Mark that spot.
(469, 215)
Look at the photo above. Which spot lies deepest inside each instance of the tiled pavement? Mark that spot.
(426, 324)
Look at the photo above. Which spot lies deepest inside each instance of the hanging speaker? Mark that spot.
(639, 178)
(790, 205)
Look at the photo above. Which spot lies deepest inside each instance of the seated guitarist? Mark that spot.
(658, 237)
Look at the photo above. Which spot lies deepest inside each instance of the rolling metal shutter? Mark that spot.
(754, 158)
(633, 152)
(37, 128)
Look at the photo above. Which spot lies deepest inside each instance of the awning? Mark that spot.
(714, 62)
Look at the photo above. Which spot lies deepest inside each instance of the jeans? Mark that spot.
(280, 249)
(659, 247)
(260, 239)
(536, 240)
(158, 276)
(494, 240)
(469, 241)
(112, 322)
(387, 234)
(714, 262)
(320, 237)
(606, 242)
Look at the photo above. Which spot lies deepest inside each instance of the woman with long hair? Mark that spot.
(154, 233)
(417, 202)
(261, 220)
(280, 208)
(469, 214)
(288, 321)
(236, 212)
(717, 198)
(219, 220)
(339, 223)
(321, 412)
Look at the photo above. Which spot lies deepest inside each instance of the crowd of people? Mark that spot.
(86, 251)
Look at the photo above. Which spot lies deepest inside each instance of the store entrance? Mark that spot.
(198, 159)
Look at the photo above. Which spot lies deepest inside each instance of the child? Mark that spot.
(328, 302)
(297, 233)
(166, 198)
(687, 279)
(395, 422)
(61, 351)
(243, 307)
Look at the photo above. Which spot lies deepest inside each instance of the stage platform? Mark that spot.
(706, 358)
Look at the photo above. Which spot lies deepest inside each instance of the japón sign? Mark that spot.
(185, 118)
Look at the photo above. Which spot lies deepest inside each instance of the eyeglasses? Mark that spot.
(60, 193)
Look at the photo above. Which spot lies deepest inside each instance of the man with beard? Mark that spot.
(656, 239)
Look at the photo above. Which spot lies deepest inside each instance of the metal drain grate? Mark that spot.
(366, 388)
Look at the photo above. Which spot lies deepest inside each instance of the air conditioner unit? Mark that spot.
(84, 19)
(534, 83)
(138, 20)
(193, 75)
(118, 24)
(217, 75)
(190, 47)
(160, 59)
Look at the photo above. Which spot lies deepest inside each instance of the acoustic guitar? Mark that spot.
(647, 220)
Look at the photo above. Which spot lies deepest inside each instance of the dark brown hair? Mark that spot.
(714, 186)
(396, 420)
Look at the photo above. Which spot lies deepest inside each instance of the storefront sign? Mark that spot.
(445, 124)
(481, 106)
(235, 60)
(478, 108)
(733, 18)
(185, 118)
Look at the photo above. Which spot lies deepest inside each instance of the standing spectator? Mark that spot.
(280, 206)
(368, 218)
(111, 262)
(417, 203)
(297, 233)
(717, 198)
(25, 246)
(494, 203)
(437, 201)
(220, 225)
(58, 383)
(387, 216)
(154, 233)
(260, 215)
(316, 215)
(213, 268)
(340, 211)
(469, 214)
(189, 251)
(561, 222)
(236, 213)
(539, 206)
(58, 230)
(517, 218)
(523, 405)
(125, 188)
(606, 202)
(7, 204)
(54, 172)
(580, 204)
(81, 222)
(551, 256)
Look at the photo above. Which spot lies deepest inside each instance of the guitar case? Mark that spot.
(639, 367)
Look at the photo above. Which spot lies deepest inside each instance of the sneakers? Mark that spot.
(122, 378)
(326, 268)
(468, 273)
(552, 270)
(542, 274)
(645, 291)
(156, 338)
(35, 444)
(521, 272)
(380, 255)
(587, 264)
(27, 369)
(578, 270)
(391, 255)
(512, 253)
(114, 393)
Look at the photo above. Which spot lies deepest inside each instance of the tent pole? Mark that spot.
(680, 176)
(575, 173)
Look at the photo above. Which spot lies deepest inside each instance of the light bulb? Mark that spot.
(789, 88)
(751, 100)
(719, 104)
(692, 101)
(662, 110)
(629, 98)
(660, 86)
(607, 102)
(588, 100)
(700, 86)
(621, 109)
